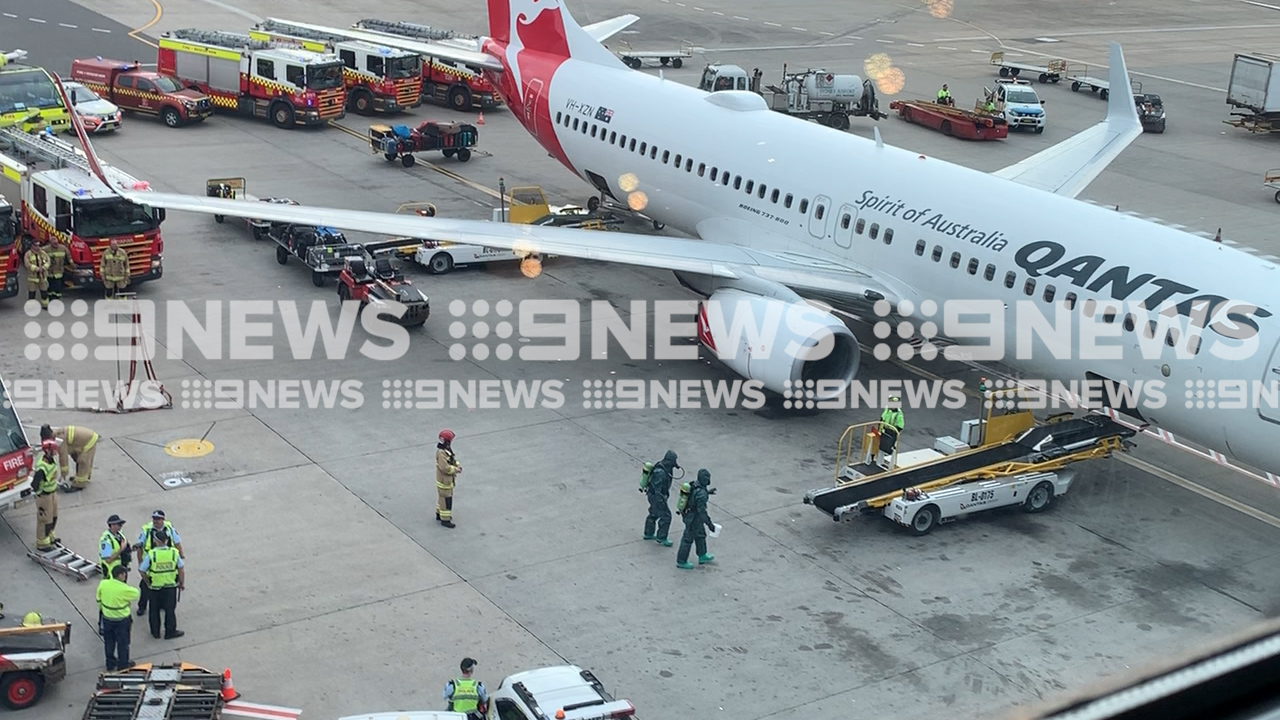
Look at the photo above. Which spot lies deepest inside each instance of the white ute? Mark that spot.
(1023, 108)
(556, 693)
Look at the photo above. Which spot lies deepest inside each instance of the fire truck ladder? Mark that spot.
(272, 25)
(32, 148)
(220, 38)
(65, 561)
(409, 30)
(177, 691)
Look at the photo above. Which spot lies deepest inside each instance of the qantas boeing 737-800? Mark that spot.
(788, 213)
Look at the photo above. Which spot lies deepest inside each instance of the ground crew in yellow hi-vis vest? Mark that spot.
(114, 268)
(59, 263)
(114, 622)
(37, 264)
(79, 443)
(447, 469)
(44, 481)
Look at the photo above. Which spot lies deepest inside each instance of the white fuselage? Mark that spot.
(951, 209)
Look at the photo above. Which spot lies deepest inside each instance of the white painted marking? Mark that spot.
(772, 24)
(101, 30)
(681, 5)
(698, 9)
(37, 20)
(1252, 2)
(717, 12)
(775, 47)
(980, 52)
(68, 25)
(266, 712)
(854, 37)
(824, 32)
(10, 15)
(1047, 40)
(793, 27)
(886, 42)
(1125, 32)
(945, 47)
(739, 17)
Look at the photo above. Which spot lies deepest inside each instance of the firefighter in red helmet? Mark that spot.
(447, 469)
(44, 481)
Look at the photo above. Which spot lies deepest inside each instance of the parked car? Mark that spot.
(97, 115)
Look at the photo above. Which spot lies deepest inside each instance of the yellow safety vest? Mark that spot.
(466, 695)
(50, 482)
(114, 597)
(107, 567)
(146, 539)
(163, 570)
(892, 418)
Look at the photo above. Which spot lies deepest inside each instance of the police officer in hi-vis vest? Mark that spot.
(158, 525)
(165, 577)
(114, 622)
(467, 695)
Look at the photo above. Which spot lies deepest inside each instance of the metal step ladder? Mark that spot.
(65, 561)
(178, 691)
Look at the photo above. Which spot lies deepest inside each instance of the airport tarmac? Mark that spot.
(318, 575)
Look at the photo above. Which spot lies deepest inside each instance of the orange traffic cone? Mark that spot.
(480, 120)
(228, 689)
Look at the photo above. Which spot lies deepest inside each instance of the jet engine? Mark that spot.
(783, 345)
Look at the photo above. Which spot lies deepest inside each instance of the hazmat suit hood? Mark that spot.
(704, 477)
(669, 460)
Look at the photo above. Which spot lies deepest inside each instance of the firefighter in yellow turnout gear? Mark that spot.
(114, 268)
(44, 481)
(37, 264)
(79, 443)
(59, 264)
(447, 469)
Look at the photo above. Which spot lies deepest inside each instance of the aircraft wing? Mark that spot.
(436, 50)
(606, 29)
(1068, 167)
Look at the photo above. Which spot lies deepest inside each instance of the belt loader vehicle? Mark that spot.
(1254, 91)
(1003, 460)
(378, 78)
(818, 95)
(951, 120)
(66, 201)
(287, 86)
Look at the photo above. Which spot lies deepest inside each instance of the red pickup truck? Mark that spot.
(131, 87)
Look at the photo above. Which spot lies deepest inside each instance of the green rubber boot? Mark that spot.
(663, 542)
(704, 559)
(685, 565)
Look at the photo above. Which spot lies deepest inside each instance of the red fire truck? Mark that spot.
(15, 453)
(67, 201)
(9, 250)
(378, 78)
(251, 77)
(443, 81)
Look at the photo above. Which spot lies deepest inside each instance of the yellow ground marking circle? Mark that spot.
(189, 448)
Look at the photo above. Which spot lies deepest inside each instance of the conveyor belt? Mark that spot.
(1044, 442)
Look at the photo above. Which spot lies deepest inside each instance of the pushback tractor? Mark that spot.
(1006, 459)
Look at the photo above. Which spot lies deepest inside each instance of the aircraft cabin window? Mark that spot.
(955, 260)
(1010, 279)
(786, 202)
(990, 273)
(920, 248)
(1193, 344)
(773, 197)
(643, 148)
(973, 266)
(1090, 307)
(1129, 323)
(937, 253)
(575, 124)
(859, 226)
(653, 152)
(1149, 330)
(760, 192)
(888, 235)
(632, 148)
(613, 138)
(586, 126)
(702, 170)
(819, 211)
(1070, 301)
(1109, 315)
(559, 118)
(875, 230)
(593, 131)
(677, 162)
(804, 207)
(1172, 338)
(1049, 292)
(666, 155)
(724, 178)
(750, 185)
(737, 182)
(844, 221)
(1030, 287)
(688, 165)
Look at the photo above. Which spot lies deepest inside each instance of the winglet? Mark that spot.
(1121, 110)
(606, 29)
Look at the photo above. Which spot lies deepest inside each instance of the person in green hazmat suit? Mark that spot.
(657, 487)
(696, 522)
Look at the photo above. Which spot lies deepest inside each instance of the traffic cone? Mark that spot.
(228, 690)
(480, 120)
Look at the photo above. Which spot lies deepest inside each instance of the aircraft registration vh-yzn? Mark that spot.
(791, 214)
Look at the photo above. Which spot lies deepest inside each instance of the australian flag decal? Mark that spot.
(604, 114)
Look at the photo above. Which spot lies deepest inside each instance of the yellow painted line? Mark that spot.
(1186, 484)
(159, 14)
(447, 173)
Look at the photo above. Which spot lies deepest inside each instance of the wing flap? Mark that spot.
(1068, 167)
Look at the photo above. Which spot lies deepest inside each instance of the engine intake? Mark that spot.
(779, 344)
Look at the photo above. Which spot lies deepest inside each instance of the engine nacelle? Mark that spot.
(778, 343)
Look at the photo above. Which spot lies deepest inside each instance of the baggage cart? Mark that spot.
(400, 142)
(1051, 71)
(635, 59)
(1080, 78)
